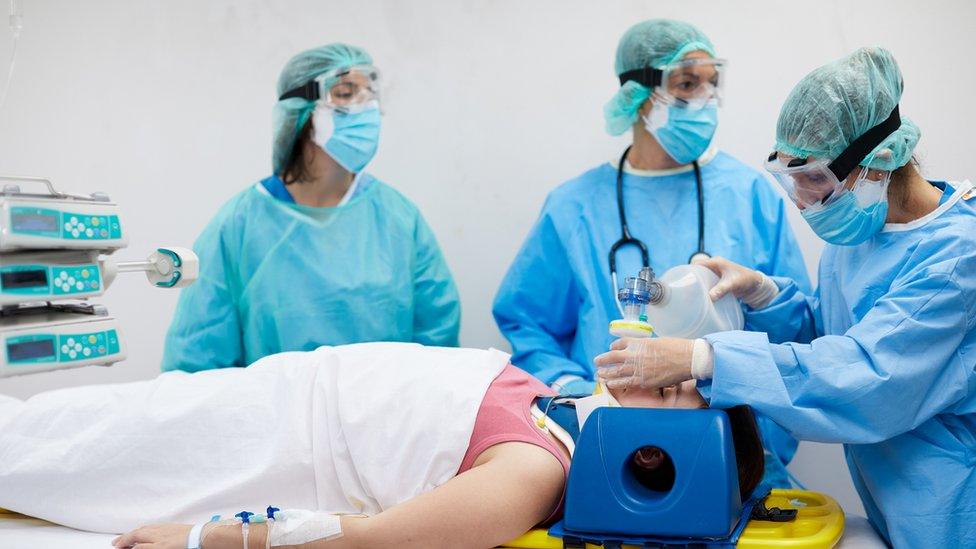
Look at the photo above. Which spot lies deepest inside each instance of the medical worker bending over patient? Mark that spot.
(320, 252)
(438, 447)
(670, 196)
(882, 356)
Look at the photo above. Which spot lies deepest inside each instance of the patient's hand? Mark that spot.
(685, 395)
(157, 536)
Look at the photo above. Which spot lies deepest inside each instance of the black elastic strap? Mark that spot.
(845, 163)
(309, 91)
(648, 77)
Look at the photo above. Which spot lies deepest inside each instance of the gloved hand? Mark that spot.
(577, 386)
(752, 287)
(647, 363)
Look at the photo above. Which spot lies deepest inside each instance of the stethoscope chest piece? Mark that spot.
(698, 256)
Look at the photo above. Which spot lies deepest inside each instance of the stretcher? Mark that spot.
(819, 524)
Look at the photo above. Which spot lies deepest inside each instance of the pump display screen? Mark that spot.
(35, 222)
(29, 350)
(13, 280)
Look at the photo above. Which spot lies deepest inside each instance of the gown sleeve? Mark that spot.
(537, 306)
(895, 369)
(437, 307)
(206, 330)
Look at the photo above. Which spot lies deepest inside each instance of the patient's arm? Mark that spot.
(512, 487)
(685, 395)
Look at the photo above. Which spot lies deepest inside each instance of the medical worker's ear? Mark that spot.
(872, 175)
(645, 109)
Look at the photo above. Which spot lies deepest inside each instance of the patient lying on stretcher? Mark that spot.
(412, 446)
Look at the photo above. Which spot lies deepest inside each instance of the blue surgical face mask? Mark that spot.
(683, 132)
(350, 138)
(853, 217)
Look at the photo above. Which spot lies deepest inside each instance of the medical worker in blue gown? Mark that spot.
(882, 356)
(680, 197)
(321, 252)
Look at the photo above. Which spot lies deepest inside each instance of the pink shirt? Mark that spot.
(504, 416)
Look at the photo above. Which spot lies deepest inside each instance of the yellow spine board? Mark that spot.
(819, 524)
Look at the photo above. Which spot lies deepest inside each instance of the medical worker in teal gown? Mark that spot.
(882, 358)
(557, 300)
(321, 252)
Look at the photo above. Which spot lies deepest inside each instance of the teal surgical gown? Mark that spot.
(556, 302)
(886, 366)
(277, 276)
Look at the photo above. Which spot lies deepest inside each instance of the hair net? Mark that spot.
(653, 43)
(838, 102)
(290, 115)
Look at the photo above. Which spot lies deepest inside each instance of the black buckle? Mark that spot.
(772, 514)
(570, 542)
(309, 91)
(648, 77)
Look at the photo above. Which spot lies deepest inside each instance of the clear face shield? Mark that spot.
(812, 185)
(348, 89)
(692, 83)
(808, 182)
(815, 183)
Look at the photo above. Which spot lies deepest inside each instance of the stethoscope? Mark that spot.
(627, 240)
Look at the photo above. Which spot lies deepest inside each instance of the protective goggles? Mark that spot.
(347, 89)
(692, 82)
(819, 182)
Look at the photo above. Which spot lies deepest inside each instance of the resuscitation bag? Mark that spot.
(687, 311)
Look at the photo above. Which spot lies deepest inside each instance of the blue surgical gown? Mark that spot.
(887, 368)
(277, 276)
(556, 302)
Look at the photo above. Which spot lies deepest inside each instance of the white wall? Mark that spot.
(166, 106)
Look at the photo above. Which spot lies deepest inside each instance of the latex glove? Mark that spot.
(575, 386)
(646, 363)
(750, 286)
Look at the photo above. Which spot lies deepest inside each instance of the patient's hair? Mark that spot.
(748, 449)
(655, 469)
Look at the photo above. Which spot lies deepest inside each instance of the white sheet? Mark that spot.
(27, 533)
(349, 429)
(24, 533)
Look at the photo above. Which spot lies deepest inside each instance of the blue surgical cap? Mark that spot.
(653, 43)
(838, 102)
(289, 116)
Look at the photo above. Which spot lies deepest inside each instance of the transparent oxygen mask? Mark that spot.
(633, 298)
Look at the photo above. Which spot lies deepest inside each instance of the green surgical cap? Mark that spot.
(837, 103)
(653, 43)
(289, 116)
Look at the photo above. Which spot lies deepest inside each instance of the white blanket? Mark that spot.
(354, 429)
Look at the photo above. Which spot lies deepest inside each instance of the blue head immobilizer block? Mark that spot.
(604, 495)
